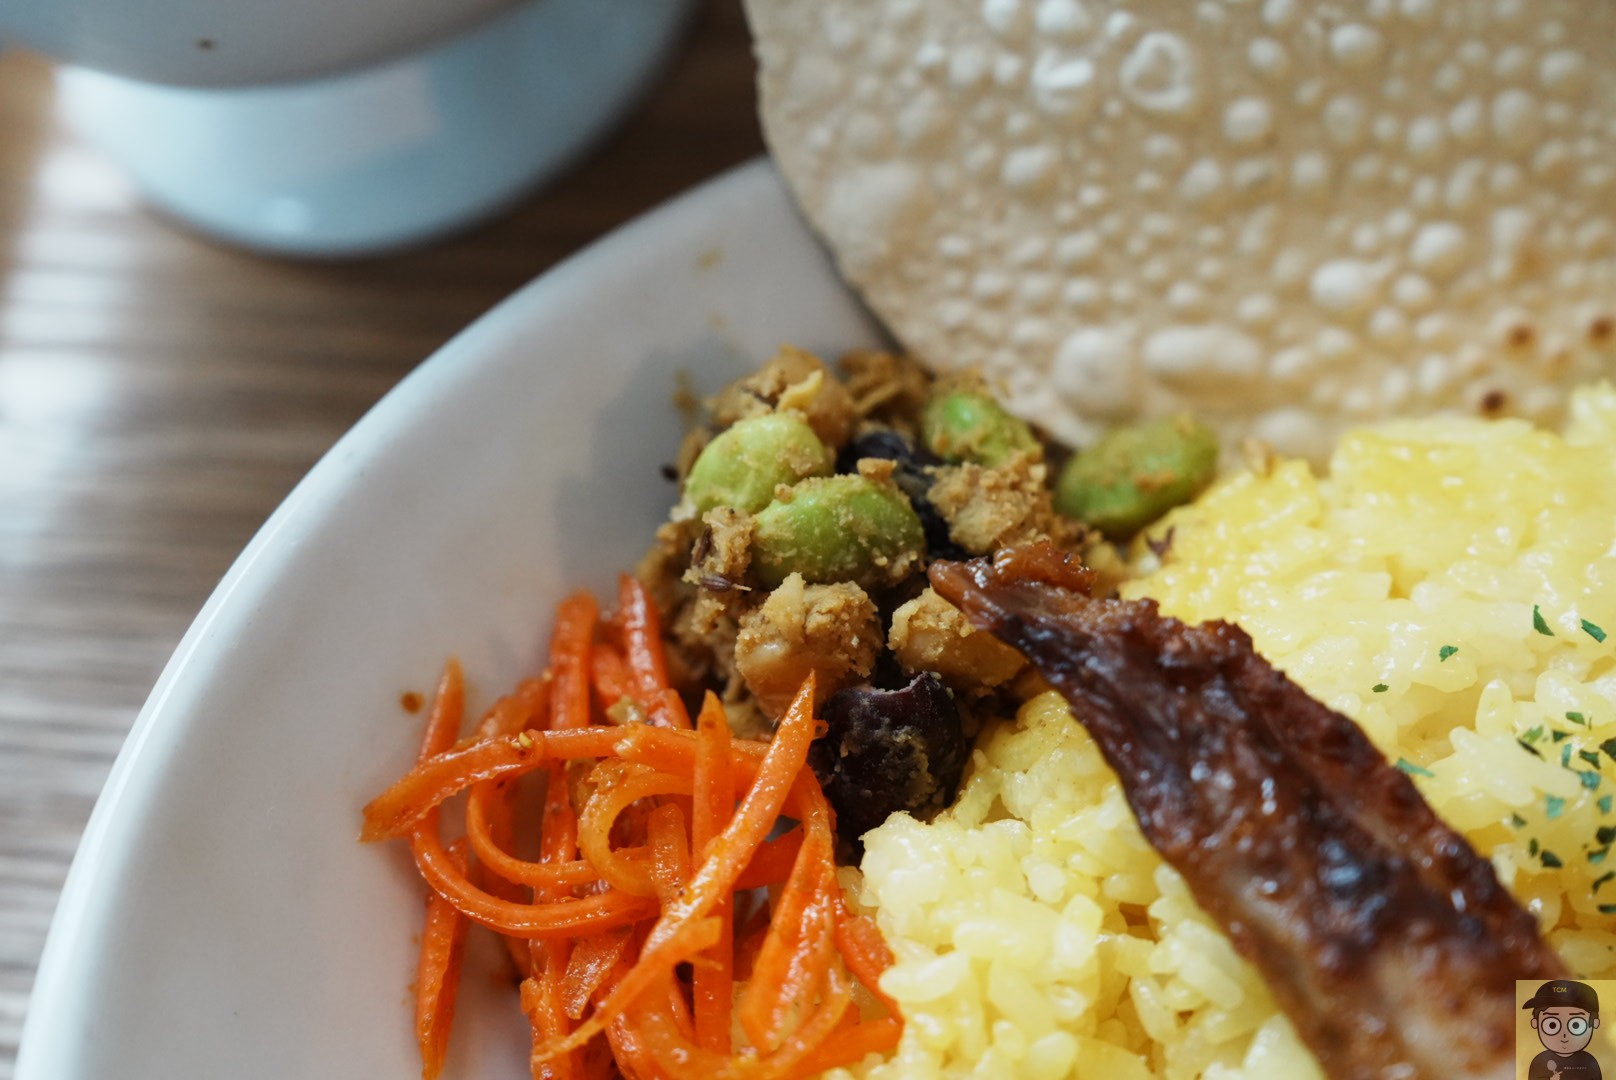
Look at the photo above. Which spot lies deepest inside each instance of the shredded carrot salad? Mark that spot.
(660, 932)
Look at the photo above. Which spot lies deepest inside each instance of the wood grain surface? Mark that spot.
(159, 396)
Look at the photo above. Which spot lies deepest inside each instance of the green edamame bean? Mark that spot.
(1135, 474)
(746, 461)
(838, 528)
(963, 425)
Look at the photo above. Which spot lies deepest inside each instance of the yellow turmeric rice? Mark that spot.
(1449, 586)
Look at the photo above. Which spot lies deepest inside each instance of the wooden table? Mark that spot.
(160, 395)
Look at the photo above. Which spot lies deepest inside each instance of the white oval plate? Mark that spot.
(220, 919)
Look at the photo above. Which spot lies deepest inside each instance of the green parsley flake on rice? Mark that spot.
(1039, 936)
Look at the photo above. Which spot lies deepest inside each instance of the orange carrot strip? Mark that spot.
(727, 855)
(850, 1019)
(713, 983)
(401, 807)
(493, 806)
(676, 1056)
(670, 850)
(568, 1066)
(443, 722)
(528, 706)
(675, 752)
(559, 838)
(642, 649)
(558, 843)
(673, 998)
(795, 952)
(641, 627)
(490, 842)
(799, 993)
(571, 644)
(625, 1039)
(656, 963)
(612, 680)
(599, 1063)
(730, 851)
(571, 647)
(570, 650)
(601, 813)
(628, 1050)
(771, 863)
(437, 979)
(590, 965)
(437, 975)
(769, 866)
(562, 918)
(542, 1006)
(713, 788)
(671, 710)
(813, 1032)
(490, 827)
(404, 805)
(750, 929)
(850, 1046)
(802, 928)
(668, 1038)
(864, 951)
(518, 949)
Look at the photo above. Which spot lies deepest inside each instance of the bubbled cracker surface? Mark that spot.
(1289, 216)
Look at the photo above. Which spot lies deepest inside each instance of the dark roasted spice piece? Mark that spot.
(888, 750)
(1385, 937)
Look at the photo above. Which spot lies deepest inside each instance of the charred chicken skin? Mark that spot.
(1382, 933)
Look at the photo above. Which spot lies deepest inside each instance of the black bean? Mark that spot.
(913, 477)
(888, 445)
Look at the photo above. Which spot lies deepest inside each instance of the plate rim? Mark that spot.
(56, 999)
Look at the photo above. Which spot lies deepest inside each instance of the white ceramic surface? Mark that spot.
(233, 42)
(391, 155)
(220, 920)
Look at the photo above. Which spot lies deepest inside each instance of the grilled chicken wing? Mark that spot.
(1384, 936)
